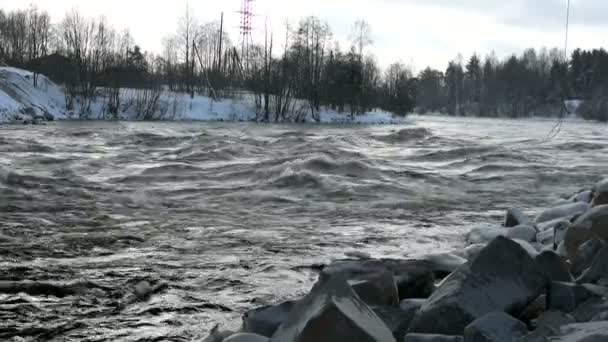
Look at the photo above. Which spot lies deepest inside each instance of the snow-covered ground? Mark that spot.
(21, 101)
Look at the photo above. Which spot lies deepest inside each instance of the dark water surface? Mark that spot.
(223, 217)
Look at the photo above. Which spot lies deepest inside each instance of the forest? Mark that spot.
(305, 68)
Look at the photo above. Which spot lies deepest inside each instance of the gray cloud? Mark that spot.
(546, 15)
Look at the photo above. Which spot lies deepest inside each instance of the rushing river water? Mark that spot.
(223, 217)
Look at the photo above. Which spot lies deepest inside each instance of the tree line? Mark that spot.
(294, 77)
(534, 83)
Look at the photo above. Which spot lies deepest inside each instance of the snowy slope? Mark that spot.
(20, 100)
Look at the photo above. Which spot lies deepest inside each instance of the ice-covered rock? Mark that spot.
(412, 304)
(522, 232)
(564, 210)
(414, 278)
(484, 233)
(585, 196)
(432, 338)
(494, 327)
(584, 332)
(332, 312)
(554, 268)
(266, 320)
(503, 277)
(246, 337)
(445, 263)
(515, 217)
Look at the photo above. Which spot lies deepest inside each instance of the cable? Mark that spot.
(565, 111)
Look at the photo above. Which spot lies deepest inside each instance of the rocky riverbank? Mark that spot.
(529, 280)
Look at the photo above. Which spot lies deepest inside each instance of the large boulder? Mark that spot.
(246, 337)
(598, 269)
(432, 338)
(266, 320)
(584, 332)
(332, 311)
(376, 288)
(396, 319)
(552, 265)
(566, 297)
(585, 255)
(522, 232)
(600, 193)
(596, 221)
(414, 278)
(575, 237)
(563, 210)
(515, 217)
(495, 327)
(503, 277)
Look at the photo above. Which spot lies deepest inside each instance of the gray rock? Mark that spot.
(534, 309)
(596, 221)
(546, 237)
(532, 248)
(503, 277)
(432, 338)
(414, 278)
(566, 297)
(515, 217)
(584, 196)
(601, 317)
(445, 263)
(397, 320)
(584, 332)
(217, 335)
(332, 312)
(589, 309)
(246, 337)
(376, 288)
(550, 322)
(552, 224)
(412, 304)
(522, 232)
(562, 211)
(471, 252)
(495, 327)
(598, 268)
(559, 232)
(484, 233)
(266, 320)
(553, 267)
(585, 255)
(574, 238)
(600, 193)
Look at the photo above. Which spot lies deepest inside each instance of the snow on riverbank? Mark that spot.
(21, 101)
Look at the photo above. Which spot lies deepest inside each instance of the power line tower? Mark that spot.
(246, 28)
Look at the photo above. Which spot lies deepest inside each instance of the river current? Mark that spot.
(220, 218)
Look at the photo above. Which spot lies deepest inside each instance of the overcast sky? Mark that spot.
(416, 32)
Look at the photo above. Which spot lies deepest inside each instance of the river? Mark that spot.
(228, 216)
